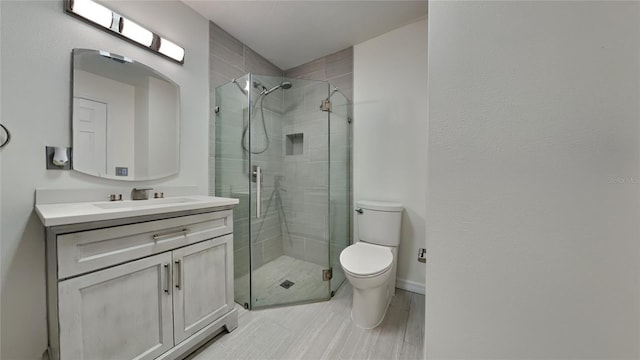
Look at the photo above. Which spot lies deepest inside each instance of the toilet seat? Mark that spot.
(366, 260)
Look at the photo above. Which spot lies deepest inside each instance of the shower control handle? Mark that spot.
(359, 210)
(257, 177)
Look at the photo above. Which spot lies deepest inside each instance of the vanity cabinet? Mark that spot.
(154, 287)
(121, 312)
(200, 271)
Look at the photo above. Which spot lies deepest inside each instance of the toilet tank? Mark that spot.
(379, 222)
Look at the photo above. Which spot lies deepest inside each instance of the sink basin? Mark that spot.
(66, 213)
(139, 203)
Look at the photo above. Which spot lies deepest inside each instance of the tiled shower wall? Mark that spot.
(307, 210)
(336, 68)
(296, 204)
(231, 59)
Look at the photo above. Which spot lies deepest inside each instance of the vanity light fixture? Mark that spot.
(135, 32)
(92, 11)
(106, 19)
(170, 49)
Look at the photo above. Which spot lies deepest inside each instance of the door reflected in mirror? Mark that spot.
(125, 118)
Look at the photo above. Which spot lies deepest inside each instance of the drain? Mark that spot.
(287, 284)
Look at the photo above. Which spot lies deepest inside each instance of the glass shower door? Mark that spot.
(231, 164)
(340, 207)
(289, 218)
(288, 162)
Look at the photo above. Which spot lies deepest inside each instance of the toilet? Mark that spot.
(370, 264)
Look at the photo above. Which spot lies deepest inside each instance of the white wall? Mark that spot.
(36, 39)
(534, 166)
(390, 132)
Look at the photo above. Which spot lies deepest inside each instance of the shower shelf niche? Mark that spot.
(294, 144)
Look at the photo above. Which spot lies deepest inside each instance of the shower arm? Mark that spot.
(239, 87)
(335, 90)
(325, 105)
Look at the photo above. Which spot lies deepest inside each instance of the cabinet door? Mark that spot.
(203, 285)
(124, 312)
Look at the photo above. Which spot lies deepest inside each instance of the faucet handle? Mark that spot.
(140, 193)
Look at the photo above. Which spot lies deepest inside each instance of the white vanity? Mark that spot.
(137, 279)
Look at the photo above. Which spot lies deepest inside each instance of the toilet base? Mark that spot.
(370, 306)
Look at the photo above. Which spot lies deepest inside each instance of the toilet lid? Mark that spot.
(366, 259)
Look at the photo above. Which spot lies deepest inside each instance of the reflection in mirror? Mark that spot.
(125, 118)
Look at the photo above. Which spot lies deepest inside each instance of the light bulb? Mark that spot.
(136, 32)
(171, 50)
(94, 12)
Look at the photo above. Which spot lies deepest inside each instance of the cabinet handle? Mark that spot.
(167, 278)
(178, 273)
(170, 233)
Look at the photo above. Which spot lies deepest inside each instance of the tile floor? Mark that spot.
(322, 330)
(306, 276)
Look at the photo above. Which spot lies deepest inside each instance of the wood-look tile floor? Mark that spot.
(322, 330)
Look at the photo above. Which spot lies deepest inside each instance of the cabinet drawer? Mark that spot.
(86, 251)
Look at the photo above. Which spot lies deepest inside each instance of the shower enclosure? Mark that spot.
(283, 148)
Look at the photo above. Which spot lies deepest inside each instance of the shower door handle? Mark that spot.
(257, 177)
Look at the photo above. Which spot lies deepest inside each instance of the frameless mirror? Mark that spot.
(125, 118)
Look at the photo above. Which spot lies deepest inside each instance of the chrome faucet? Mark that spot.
(140, 193)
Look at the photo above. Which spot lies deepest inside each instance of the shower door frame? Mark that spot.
(331, 261)
(254, 119)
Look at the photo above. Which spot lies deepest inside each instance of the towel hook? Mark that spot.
(6, 141)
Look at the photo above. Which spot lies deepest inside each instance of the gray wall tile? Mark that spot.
(316, 252)
(344, 83)
(303, 71)
(340, 63)
(296, 213)
(225, 46)
(255, 63)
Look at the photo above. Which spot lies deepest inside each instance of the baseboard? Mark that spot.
(409, 285)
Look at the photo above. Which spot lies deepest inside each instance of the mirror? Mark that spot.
(125, 118)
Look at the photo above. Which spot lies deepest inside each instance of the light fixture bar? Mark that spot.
(93, 12)
(135, 32)
(104, 18)
(170, 49)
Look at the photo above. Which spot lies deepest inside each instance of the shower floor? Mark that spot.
(306, 278)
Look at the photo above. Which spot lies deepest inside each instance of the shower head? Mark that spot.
(284, 85)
